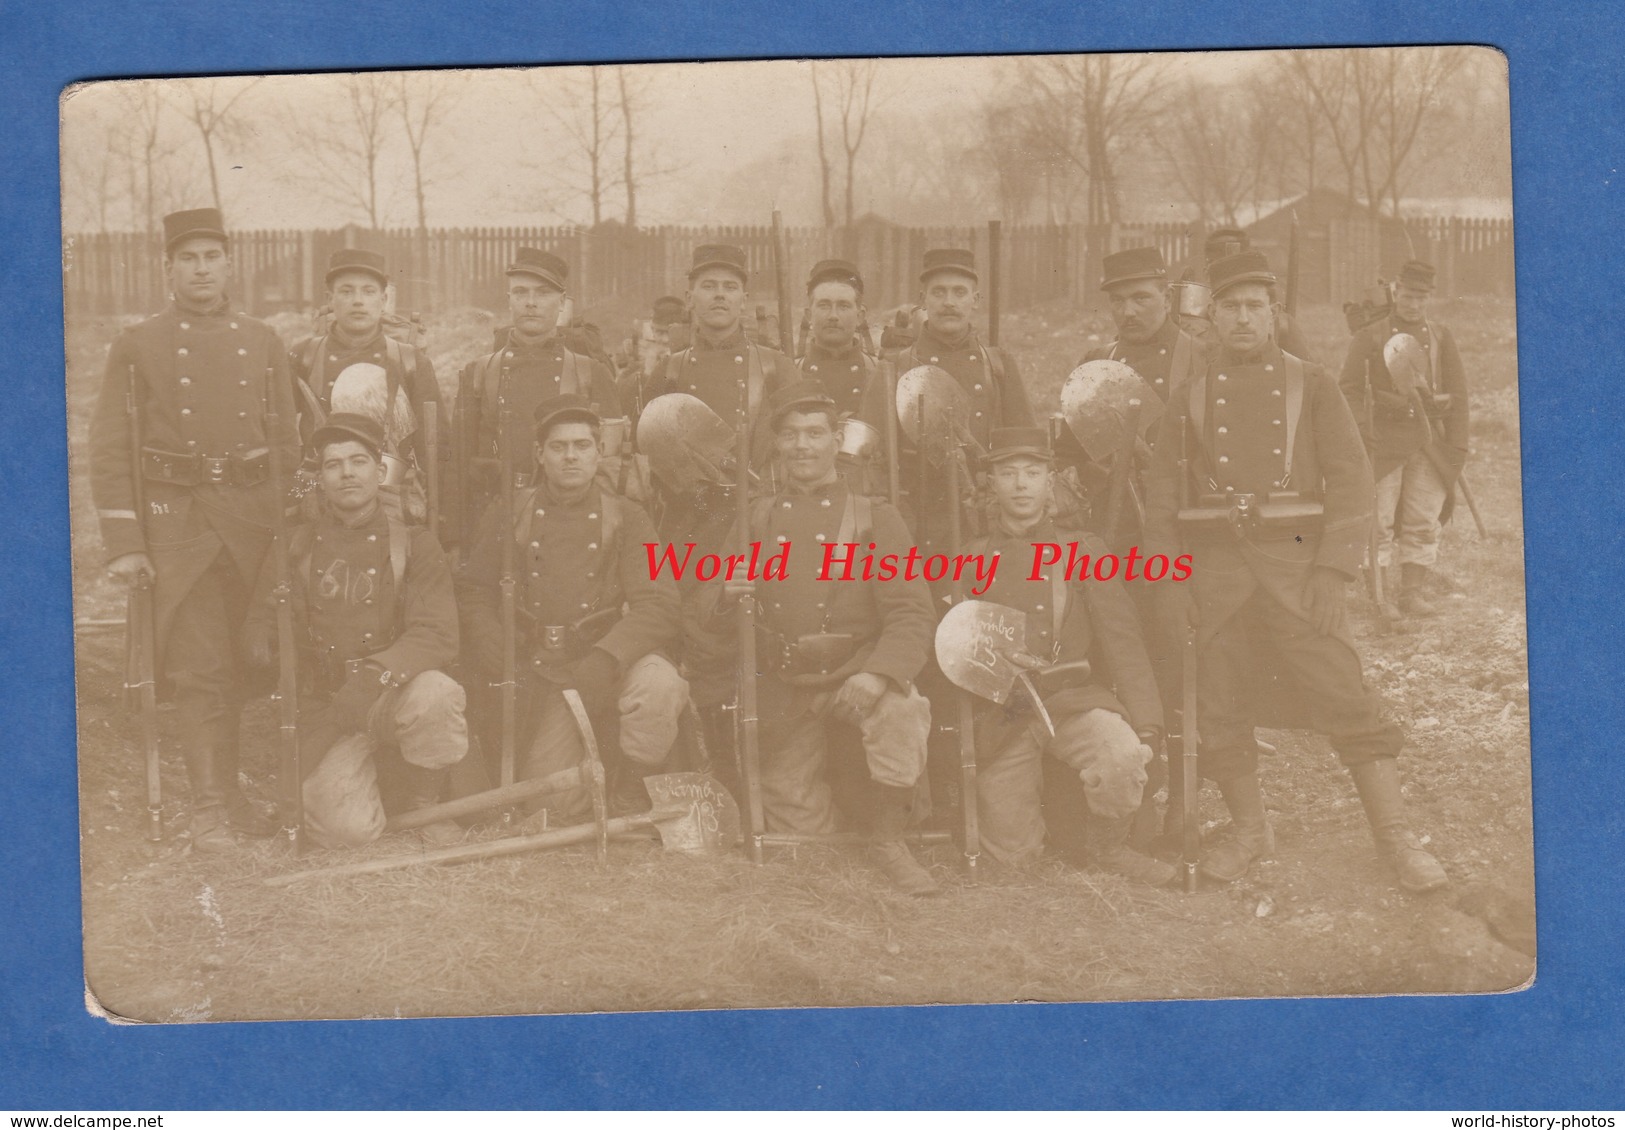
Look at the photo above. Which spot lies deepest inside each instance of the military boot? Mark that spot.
(1411, 601)
(1250, 837)
(209, 823)
(424, 788)
(627, 796)
(892, 808)
(245, 816)
(1378, 785)
(1109, 851)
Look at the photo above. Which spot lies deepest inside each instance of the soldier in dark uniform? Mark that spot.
(392, 380)
(1263, 456)
(374, 608)
(836, 356)
(533, 365)
(731, 374)
(988, 374)
(1108, 720)
(591, 616)
(1414, 477)
(838, 657)
(644, 354)
(202, 373)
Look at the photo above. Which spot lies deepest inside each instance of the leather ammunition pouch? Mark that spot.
(194, 470)
(556, 644)
(800, 656)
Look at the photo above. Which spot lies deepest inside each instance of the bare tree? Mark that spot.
(1222, 146)
(584, 110)
(208, 105)
(853, 94)
(1085, 109)
(1407, 88)
(824, 170)
(340, 151)
(423, 101)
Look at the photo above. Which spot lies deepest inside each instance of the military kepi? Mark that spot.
(355, 259)
(539, 264)
(346, 426)
(1243, 267)
(1224, 241)
(799, 396)
(724, 255)
(1011, 443)
(669, 310)
(957, 259)
(1132, 264)
(195, 223)
(1417, 273)
(834, 270)
(564, 408)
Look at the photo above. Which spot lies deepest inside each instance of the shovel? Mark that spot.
(982, 648)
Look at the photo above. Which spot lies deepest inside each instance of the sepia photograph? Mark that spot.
(998, 529)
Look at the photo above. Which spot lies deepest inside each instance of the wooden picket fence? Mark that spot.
(120, 273)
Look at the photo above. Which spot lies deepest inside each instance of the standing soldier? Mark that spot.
(731, 374)
(838, 657)
(373, 602)
(531, 366)
(373, 373)
(198, 377)
(1417, 444)
(644, 354)
(591, 616)
(987, 374)
(1259, 474)
(837, 356)
(1108, 720)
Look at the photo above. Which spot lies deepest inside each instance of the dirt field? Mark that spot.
(173, 936)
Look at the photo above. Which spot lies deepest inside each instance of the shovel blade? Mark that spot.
(683, 439)
(703, 816)
(1407, 363)
(947, 410)
(1098, 399)
(974, 643)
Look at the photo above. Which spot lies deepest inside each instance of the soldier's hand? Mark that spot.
(1324, 598)
(131, 566)
(859, 694)
(735, 590)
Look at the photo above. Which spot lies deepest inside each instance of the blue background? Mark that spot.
(1555, 1046)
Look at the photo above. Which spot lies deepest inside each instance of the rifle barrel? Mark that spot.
(289, 769)
(508, 688)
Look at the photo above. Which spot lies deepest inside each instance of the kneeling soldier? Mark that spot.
(1260, 475)
(839, 656)
(373, 600)
(1107, 715)
(591, 616)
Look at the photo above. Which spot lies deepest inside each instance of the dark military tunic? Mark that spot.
(1391, 429)
(573, 560)
(1254, 631)
(521, 375)
(997, 397)
(845, 374)
(722, 374)
(346, 597)
(1166, 361)
(1098, 622)
(201, 381)
(317, 363)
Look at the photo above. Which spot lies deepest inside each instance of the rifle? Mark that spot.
(140, 643)
(995, 245)
(503, 519)
(289, 769)
(1118, 481)
(431, 454)
(1372, 535)
(750, 754)
(962, 703)
(888, 378)
(1190, 779)
(781, 282)
(1290, 303)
